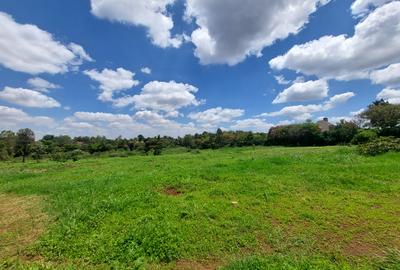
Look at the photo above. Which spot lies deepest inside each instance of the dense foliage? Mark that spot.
(383, 116)
(380, 146)
(295, 135)
(364, 136)
(380, 119)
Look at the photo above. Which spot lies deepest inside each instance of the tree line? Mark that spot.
(379, 119)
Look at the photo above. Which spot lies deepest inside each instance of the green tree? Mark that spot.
(342, 133)
(382, 115)
(25, 139)
(38, 151)
(7, 144)
(219, 139)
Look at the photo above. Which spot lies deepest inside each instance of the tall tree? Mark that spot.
(382, 115)
(7, 141)
(343, 132)
(25, 139)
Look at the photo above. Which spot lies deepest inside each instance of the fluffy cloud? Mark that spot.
(304, 112)
(162, 96)
(28, 98)
(300, 112)
(152, 118)
(41, 85)
(216, 116)
(230, 30)
(360, 7)
(12, 118)
(26, 48)
(151, 14)
(390, 95)
(252, 124)
(112, 81)
(81, 54)
(356, 113)
(337, 100)
(303, 91)
(338, 119)
(71, 123)
(146, 70)
(376, 43)
(389, 76)
(103, 117)
(147, 123)
(281, 80)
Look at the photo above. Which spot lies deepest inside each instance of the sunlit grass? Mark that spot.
(238, 207)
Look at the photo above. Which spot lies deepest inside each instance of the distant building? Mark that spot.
(324, 125)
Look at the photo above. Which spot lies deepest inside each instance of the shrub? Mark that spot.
(75, 155)
(3, 154)
(59, 157)
(364, 136)
(380, 146)
(342, 133)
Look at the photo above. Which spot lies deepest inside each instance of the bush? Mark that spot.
(3, 154)
(380, 146)
(59, 157)
(75, 155)
(364, 136)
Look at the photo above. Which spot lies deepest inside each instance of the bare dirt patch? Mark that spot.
(172, 191)
(191, 265)
(358, 247)
(22, 221)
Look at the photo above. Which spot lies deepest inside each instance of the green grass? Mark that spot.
(242, 208)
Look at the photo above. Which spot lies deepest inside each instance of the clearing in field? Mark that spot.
(244, 208)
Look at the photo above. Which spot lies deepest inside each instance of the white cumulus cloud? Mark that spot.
(112, 81)
(252, 124)
(303, 91)
(230, 30)
(375, 44)
(360, 7)
(103, 117)
(150, 14)
(304, 112)
(281, 80)
(146, 70)
(390, 95)
(12, 118)
(42, 85)
(27, 48)
(216, 116)
(162, 96)
(152, 118)
(147, 123)
(389, 76)
(28, 98)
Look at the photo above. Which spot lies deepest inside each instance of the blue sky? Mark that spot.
(171, 67)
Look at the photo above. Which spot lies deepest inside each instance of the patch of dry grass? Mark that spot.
(22, 221)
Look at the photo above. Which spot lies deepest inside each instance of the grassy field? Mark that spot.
(249, 208)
